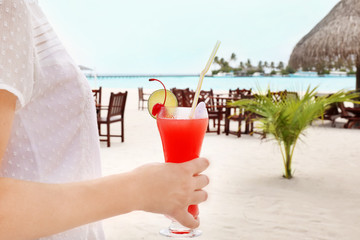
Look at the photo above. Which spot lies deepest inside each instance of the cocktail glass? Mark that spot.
(181, 138)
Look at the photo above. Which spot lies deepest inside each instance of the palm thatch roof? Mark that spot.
(336, 37)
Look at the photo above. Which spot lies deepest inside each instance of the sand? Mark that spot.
(248, 198)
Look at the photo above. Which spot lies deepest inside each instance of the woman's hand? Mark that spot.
(169, 188)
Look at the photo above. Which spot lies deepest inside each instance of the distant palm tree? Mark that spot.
(241, 65)
(272, 65)
(222, 62)
(248, 64)
(280, 65)
(233, 57)
(287, 119)
(216, 61)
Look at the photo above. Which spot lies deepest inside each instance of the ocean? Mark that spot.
(324, 84)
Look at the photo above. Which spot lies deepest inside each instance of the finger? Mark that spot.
(198, 197)
(201, 181)
(188, 220)
(198, 165)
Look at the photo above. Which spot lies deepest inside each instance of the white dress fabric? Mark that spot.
(54, 136)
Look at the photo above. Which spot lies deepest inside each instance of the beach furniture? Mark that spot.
(352, 114)
(293, 95)
(332, 113)
(238, 114)
(142, 98)
(215, 111)
(234, 114)
(97, 97)
(115, 113)
(278, 96)
(237, 93)
(185, 96)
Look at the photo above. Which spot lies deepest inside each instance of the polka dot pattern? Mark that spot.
(54, 135)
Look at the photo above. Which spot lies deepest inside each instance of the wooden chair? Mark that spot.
(97, 97)
(351, 114)
(292, 95)
(215, 112)
(142, 98)
(115, 113)
(331, 113)
(185, 97)
(179, 96)
(207, 97)
(238, 117)
(238, 93)
(188, 97)
(278, 96)
(238, 114)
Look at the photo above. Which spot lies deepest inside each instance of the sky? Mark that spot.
(177, 36)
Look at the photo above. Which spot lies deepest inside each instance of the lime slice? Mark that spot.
(158, 97)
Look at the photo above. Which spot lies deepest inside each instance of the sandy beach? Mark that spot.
(248, 198)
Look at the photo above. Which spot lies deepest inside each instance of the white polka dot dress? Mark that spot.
(54, 136)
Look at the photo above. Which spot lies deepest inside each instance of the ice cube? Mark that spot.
(201, 111)
(182, 113)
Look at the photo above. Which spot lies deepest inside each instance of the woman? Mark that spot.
(50, 182)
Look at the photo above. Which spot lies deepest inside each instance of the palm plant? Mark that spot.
(287, 119)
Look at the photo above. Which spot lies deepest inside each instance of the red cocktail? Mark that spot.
(181, 138)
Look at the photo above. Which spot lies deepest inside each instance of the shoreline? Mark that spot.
(102, 76)
(330, 85)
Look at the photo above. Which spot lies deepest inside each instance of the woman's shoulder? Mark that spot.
(14, 2)
(17, 1)
(13, 5)
(14, 12)
(9, 6)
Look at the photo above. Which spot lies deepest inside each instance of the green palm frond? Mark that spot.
(287, 119)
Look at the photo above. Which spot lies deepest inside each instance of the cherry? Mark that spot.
(157, 107)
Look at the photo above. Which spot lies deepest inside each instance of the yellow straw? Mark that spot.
(202, 75)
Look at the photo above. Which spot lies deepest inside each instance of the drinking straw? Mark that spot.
(202, 75)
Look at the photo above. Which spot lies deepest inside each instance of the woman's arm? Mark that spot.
(31, 210)
(7, 112)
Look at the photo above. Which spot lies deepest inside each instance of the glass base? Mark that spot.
(176, 230)
(190, 234)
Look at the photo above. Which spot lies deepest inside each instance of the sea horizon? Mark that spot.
(325, 84)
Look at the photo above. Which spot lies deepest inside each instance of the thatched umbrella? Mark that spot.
(335, 38)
